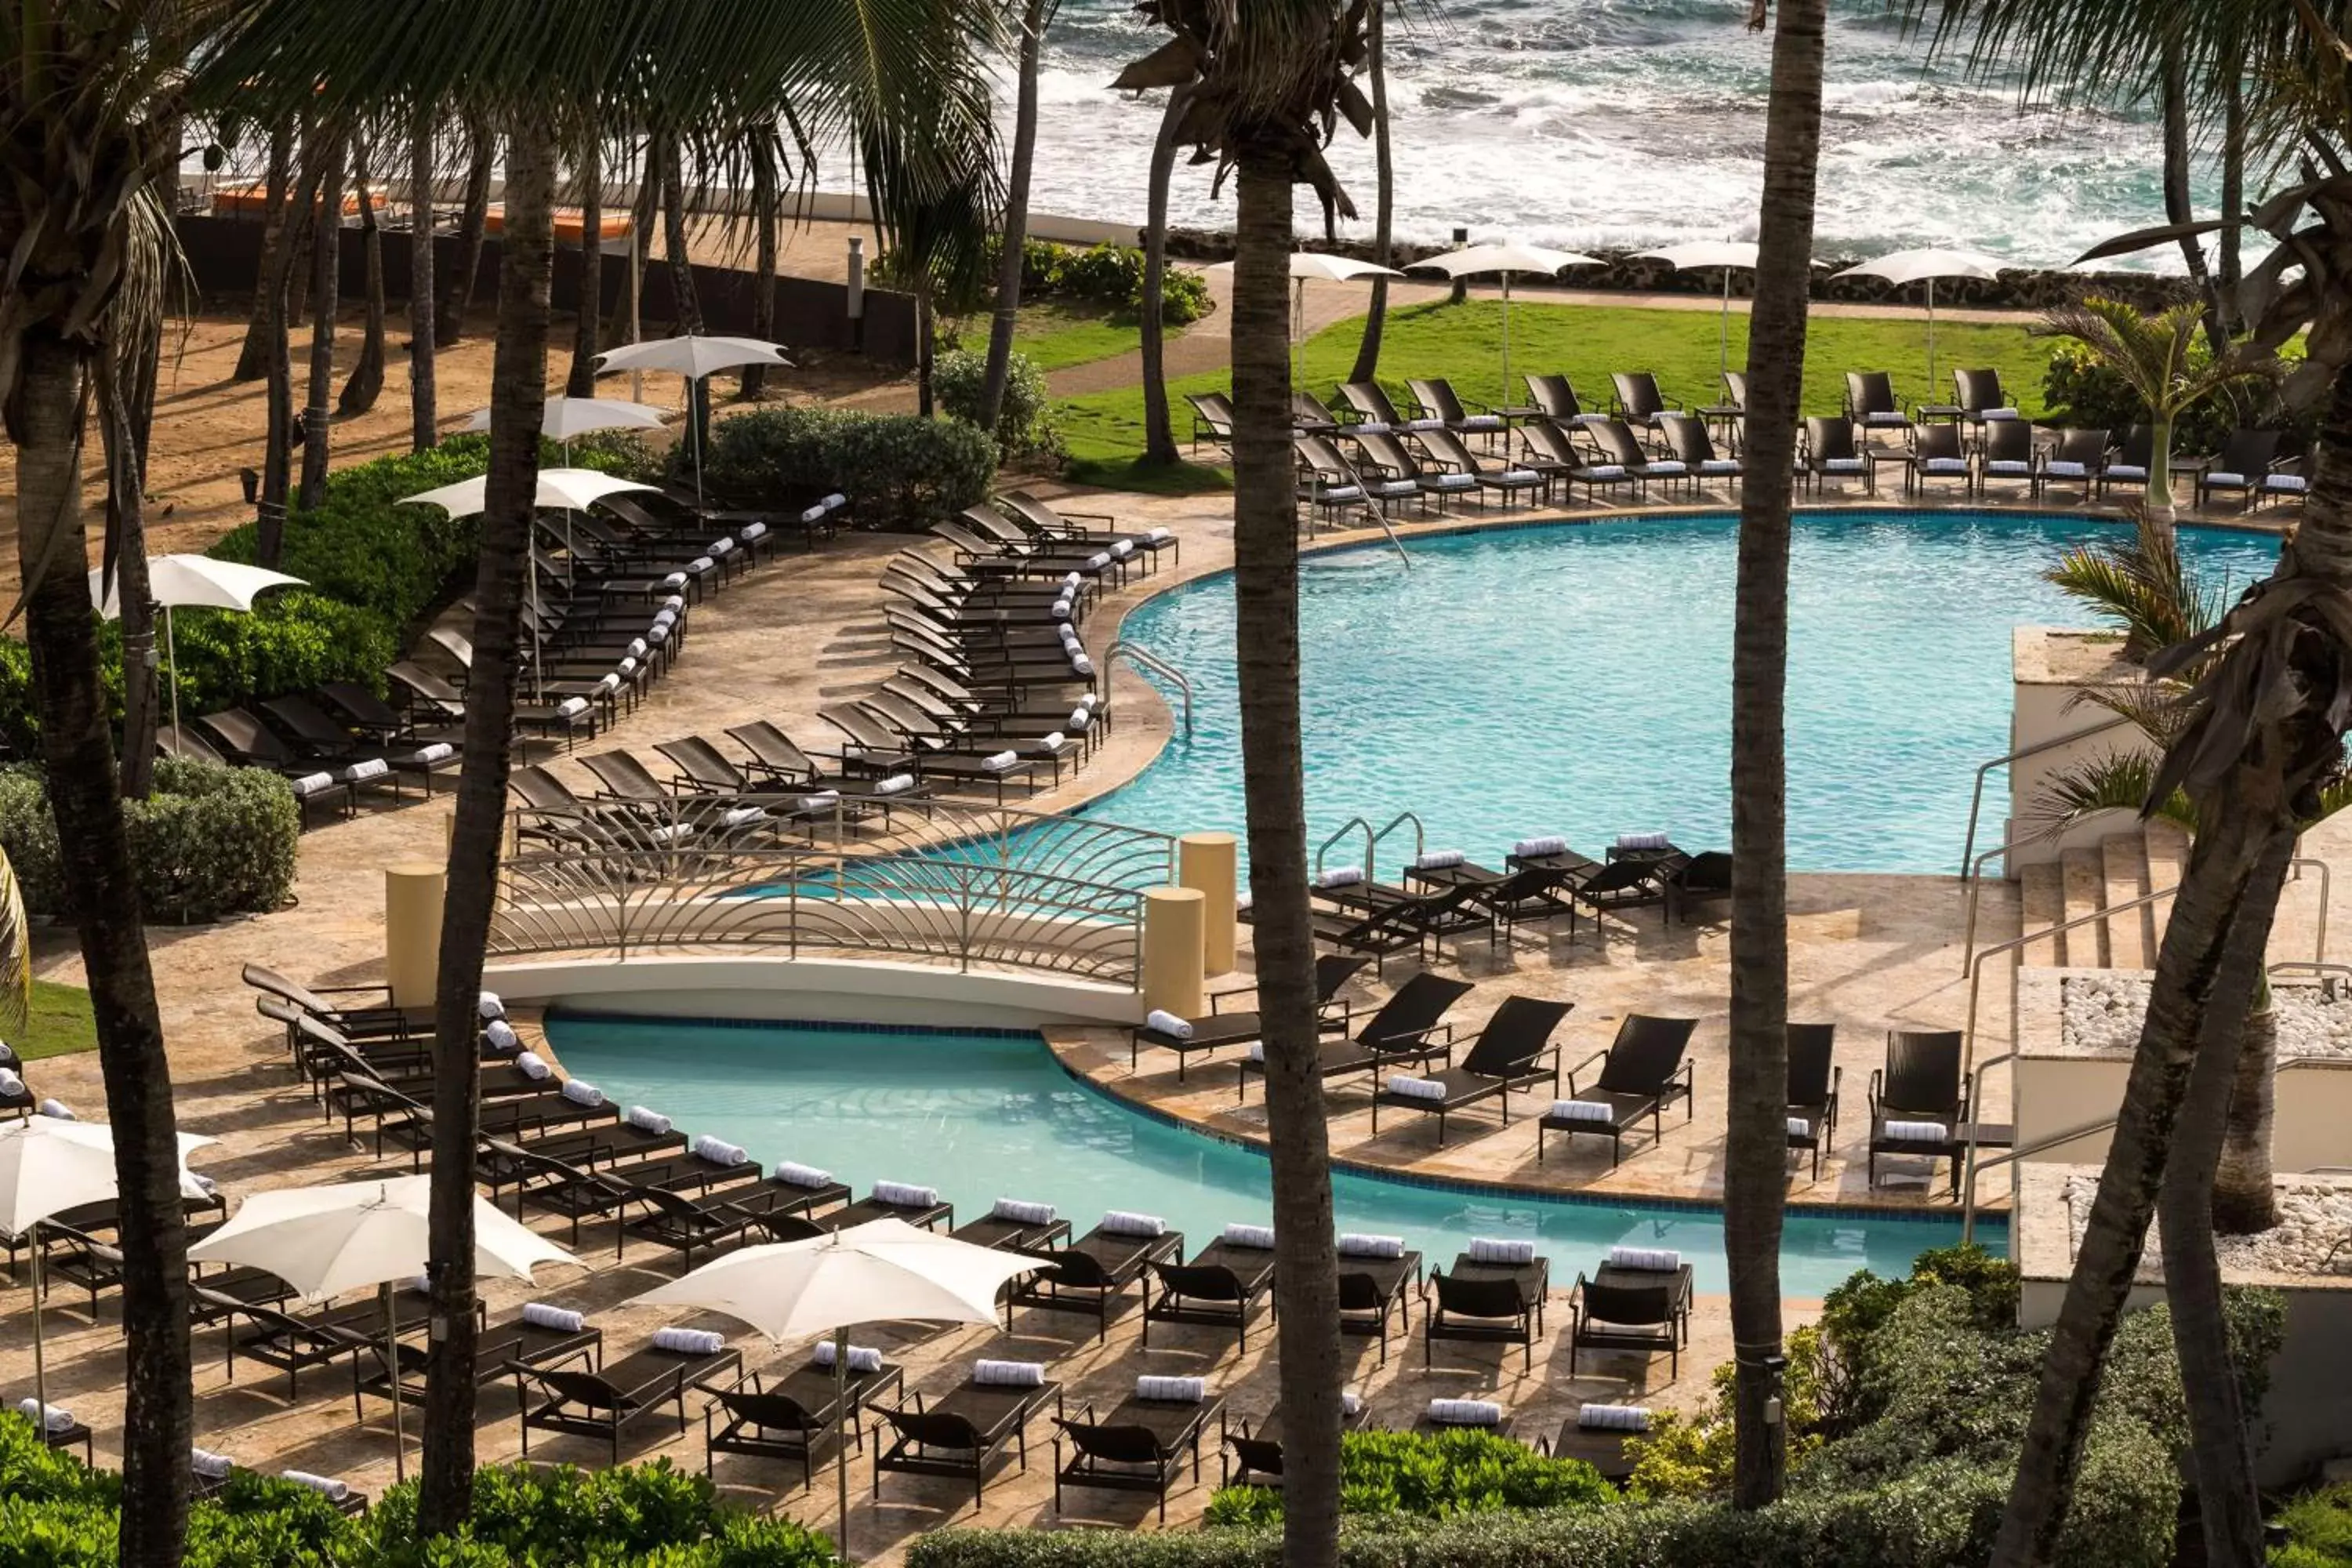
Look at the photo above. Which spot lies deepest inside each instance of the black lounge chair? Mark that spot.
(1513, 1051)
(963, 1434)
(1477, 1311)
(699, 766)
(1705, 877)
(1447, 450)
(1399, 1033)
(1828, 452)
(792, 1417)
(1437, 400)
(1694, 448)
(1642, 1073)
(1921, 1083)
(351, 1504)
(1140, 1446)
(1252, 1455)
(1091, 1273)
(1555, 400)
(1619, 449)
(249, 742)
(998, 1229)
(1059, 523)
(1531, 1278)
(1413, 924)
(1814, 1080)
(1638, 400)
(1530, 893)
(1871, 404)
(2008, 456)
(2078, 457)
(931, 1215)
(1310, 414)
(1645, 1319)
(295, 1345)
(1602, 1447)
(1936, 454)
(1621, 885)
(2248, 466)
(1212, 419)
(1978, 400)
(375, 1021)
(499, 1349)
(1375, 415)
(1335, 484)
(313, 728)
(2133, 455)
(686, 1226)
(1332, 969)
(608, 1403)
(1372, 1289)
(1218, 1289)
(1386, 460)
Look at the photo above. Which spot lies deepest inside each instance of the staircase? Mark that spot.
(2083, 884)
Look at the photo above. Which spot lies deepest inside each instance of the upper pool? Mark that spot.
(982, 1117)
(1577, 680)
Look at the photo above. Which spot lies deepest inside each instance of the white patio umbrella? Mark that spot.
(49, 1165)
(198, 580)
(885, 1270)
(565, 418)
(1699, 255)
(1508, 257)
(1925, 267)
(1316, 266)
(326, 1240)
(693, 356)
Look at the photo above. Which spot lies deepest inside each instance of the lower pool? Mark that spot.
(988, 1116)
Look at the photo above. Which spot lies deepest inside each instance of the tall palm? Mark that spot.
(1159, 435)
(365, 382)
(1269, 80)
(326, 289)
(1756, 1149)
(277, 176)
(1376, 309)
(422, 175)
(1036, 16)
(580, 381)
(473, 227)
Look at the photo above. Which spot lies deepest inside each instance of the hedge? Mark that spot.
(1432, 1476)
(210, 841)
(1024, 424)
(2079, 391)
(898, 471)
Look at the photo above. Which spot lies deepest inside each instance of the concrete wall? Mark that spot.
(2314, 1125)
(2052, 667)
(845, 990)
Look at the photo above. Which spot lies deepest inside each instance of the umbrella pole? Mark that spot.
(392, 1362)
(1722, 332)
(841, 1447)
(693, 432)
(1931, 337)
(40, 1369)
(171, 655)
(1505, 401)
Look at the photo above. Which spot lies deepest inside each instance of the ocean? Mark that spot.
(1630, 123)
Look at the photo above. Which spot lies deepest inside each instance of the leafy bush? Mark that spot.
(1106, 275)
(209, 841)
(2080, 391)
(1432, 1476)
(897, 471)
(2318, 1528)
(1024, 422)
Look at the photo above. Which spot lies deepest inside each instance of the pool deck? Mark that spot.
(1868, 953)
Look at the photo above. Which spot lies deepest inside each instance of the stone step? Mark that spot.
(2045, 900)
(2083, 878)
(2167, 857)
(2124, 857)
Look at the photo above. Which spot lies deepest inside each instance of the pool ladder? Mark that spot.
(1144, 659)
(1372, 841)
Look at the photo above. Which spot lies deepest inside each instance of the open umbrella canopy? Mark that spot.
(568, 417)
(691, 355)
(326, 1240)
(183, 580)
(576, 488)
(1315, 265)
(1705, 254)
(47, 1166)
(1506, 256)
(1917, 265)
(884, 1270)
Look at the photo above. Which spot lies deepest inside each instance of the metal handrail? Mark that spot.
(2319, 942)
(1356, 477)
(1968, 1184)
(1419, 838)
(1145, 659)
(1975, 796)
(1347, 828)
(1972, 877)
(1976, 967)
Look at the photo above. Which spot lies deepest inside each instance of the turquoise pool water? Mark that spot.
(983, 1117)
(1577, 680)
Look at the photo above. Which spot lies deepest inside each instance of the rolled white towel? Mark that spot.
(740, 817)
(212, 1467)
(1001, 762)
(835, 502)
(438, 752)
(862, 1358)
(1501, 1249)
(658, 633)
(1465, 1413)
(689, 1341)
(718, 1150)
(675, 580)
(669, 611)
(1021, 1211)
(1643, 841)
(489, 1006)
(338, 1491)
(571, 708)
(1439, 860)
(374, 768)
(562, 1320)
(627, 667)
(1161, 1021)
(1061, 609)
(310, 783)
(1799, 1128)
(1339, 877)
(609, 685)
(1613, 1417)
(1351, 1403)
(1123, 548)
(724, 545)
(1651, 1260)
(57, 1110)
(1098, 560)
(1124, 1222)
(1413, 1088)
(1999, 414)
(1081, 665)
(534, 1066)
(638, 647)
(753, 531)
(673, 605)
(896, 784)
(1054, 741)
(1172, 1390)
(579, 1092)
(814, 514)
(1535, 849)
(906, 1196)
(1157, 534)
(1009, 1373)
(646, 1120)
(700, 564)
(1592, 1110)
(794, 1174)
(1070, 581)
(824, 800)
(10, 1086)
(1257, 1050)
(52, 1417)
(1259, 1237)
(1919, 1132)
(1080, 716)
(1353, 1244)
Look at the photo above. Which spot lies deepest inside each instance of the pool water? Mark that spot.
(988, 1116)
(1577, 680)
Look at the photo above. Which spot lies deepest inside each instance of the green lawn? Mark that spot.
(1057, 333)
(1462, 343)
(60, 1023)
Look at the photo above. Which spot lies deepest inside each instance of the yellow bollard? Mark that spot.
(1173, 977)
(1207, 861)
(413, 893)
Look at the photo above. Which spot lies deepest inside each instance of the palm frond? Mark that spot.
(2119, 781)
(2142, 585)
(16, 951)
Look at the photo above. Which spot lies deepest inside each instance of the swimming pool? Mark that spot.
(1577, 680)
(988, 1116)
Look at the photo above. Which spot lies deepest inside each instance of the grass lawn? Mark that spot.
(1056, 334)
(1462, 343)
(60, 1023)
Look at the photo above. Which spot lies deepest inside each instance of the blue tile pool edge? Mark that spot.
(1989, 1222)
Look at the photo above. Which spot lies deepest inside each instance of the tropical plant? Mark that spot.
(1432, 1476)
(2153, 355)
(424, 123)
(1376, 306)
(1036, 16)
(1159, 434)
(1025, 421)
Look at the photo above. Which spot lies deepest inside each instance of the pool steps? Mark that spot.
(2083, 882)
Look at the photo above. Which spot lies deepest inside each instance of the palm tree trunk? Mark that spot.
(102, 897)
(2228, 1507)
(517, 400)
(1015, 229)
(473, 225)
(2245, 1192)
(643, 213)
(685, 308)
(924, 346)
(1756, 1149)
(1158, 436)
(126, 513)
(277, 456)
(423, 413)
(2172, 94)
(366, 382)
(1266, 648)
(2160, 468)
(1376, 310)
(766, 213)
(253, 359)
(326, 254)
(2233, 195)
(581, 382)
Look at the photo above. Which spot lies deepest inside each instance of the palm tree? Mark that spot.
(765, 153)
(1159, 435)
(253, 358)
(473, 228)
(1376, 311)
(1036, 17)
(423, 175)
(1756, 1150)
(326, 288)
(2151, 355)
(1270, 80)
(366, 380)
(580, 381)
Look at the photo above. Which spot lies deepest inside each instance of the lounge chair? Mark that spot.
(919, 1206)
(1332, 969)
(1212, 419)
(1643, 1318)
(1828, 452)
(1512, 1052)
(1414, 923)
(961, 1436)
(1385, 460)
(2078, 457)
(323, 737)
(1730, 415)
(1814, 1080)
(295, 1345)
(1979, 399)
(1445, 448)
(1477, 1311)
(1936, 454)
(1638, 400)
(246, 741)
(1688, 440)
(1623, 884)
(511, 1344)
(1015, 1227)
(1603, 1448)
(1918, 1101)
(793, 1417)
(1705, 877)
(1642, 1073)
(1555, 400)
(777, 759)
(1252, 1455)
(608, 1403)
(1516, 1263)
(1219, 1289)
(1871, 404)
(1438, 400)
(2248, 466)
(699, 766)
(1377, 1276)
(1442, 1414)
(2133, 458)
(686, 1226)
(1092, 1273)
(380, 1020)
(1321, 461)
(1375, 415)
(363, 711)
(1141, 1444)
(1549, 450)
(2008, 456)
(215, 1480)
(1620, 448)
(1310, 414)
(1401, 1034)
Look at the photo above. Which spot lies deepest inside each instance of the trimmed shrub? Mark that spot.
(2318, 1528)
(210, 841)
(1432, 1476)
(2078, 390)
(1025, 423)
(898, 471)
